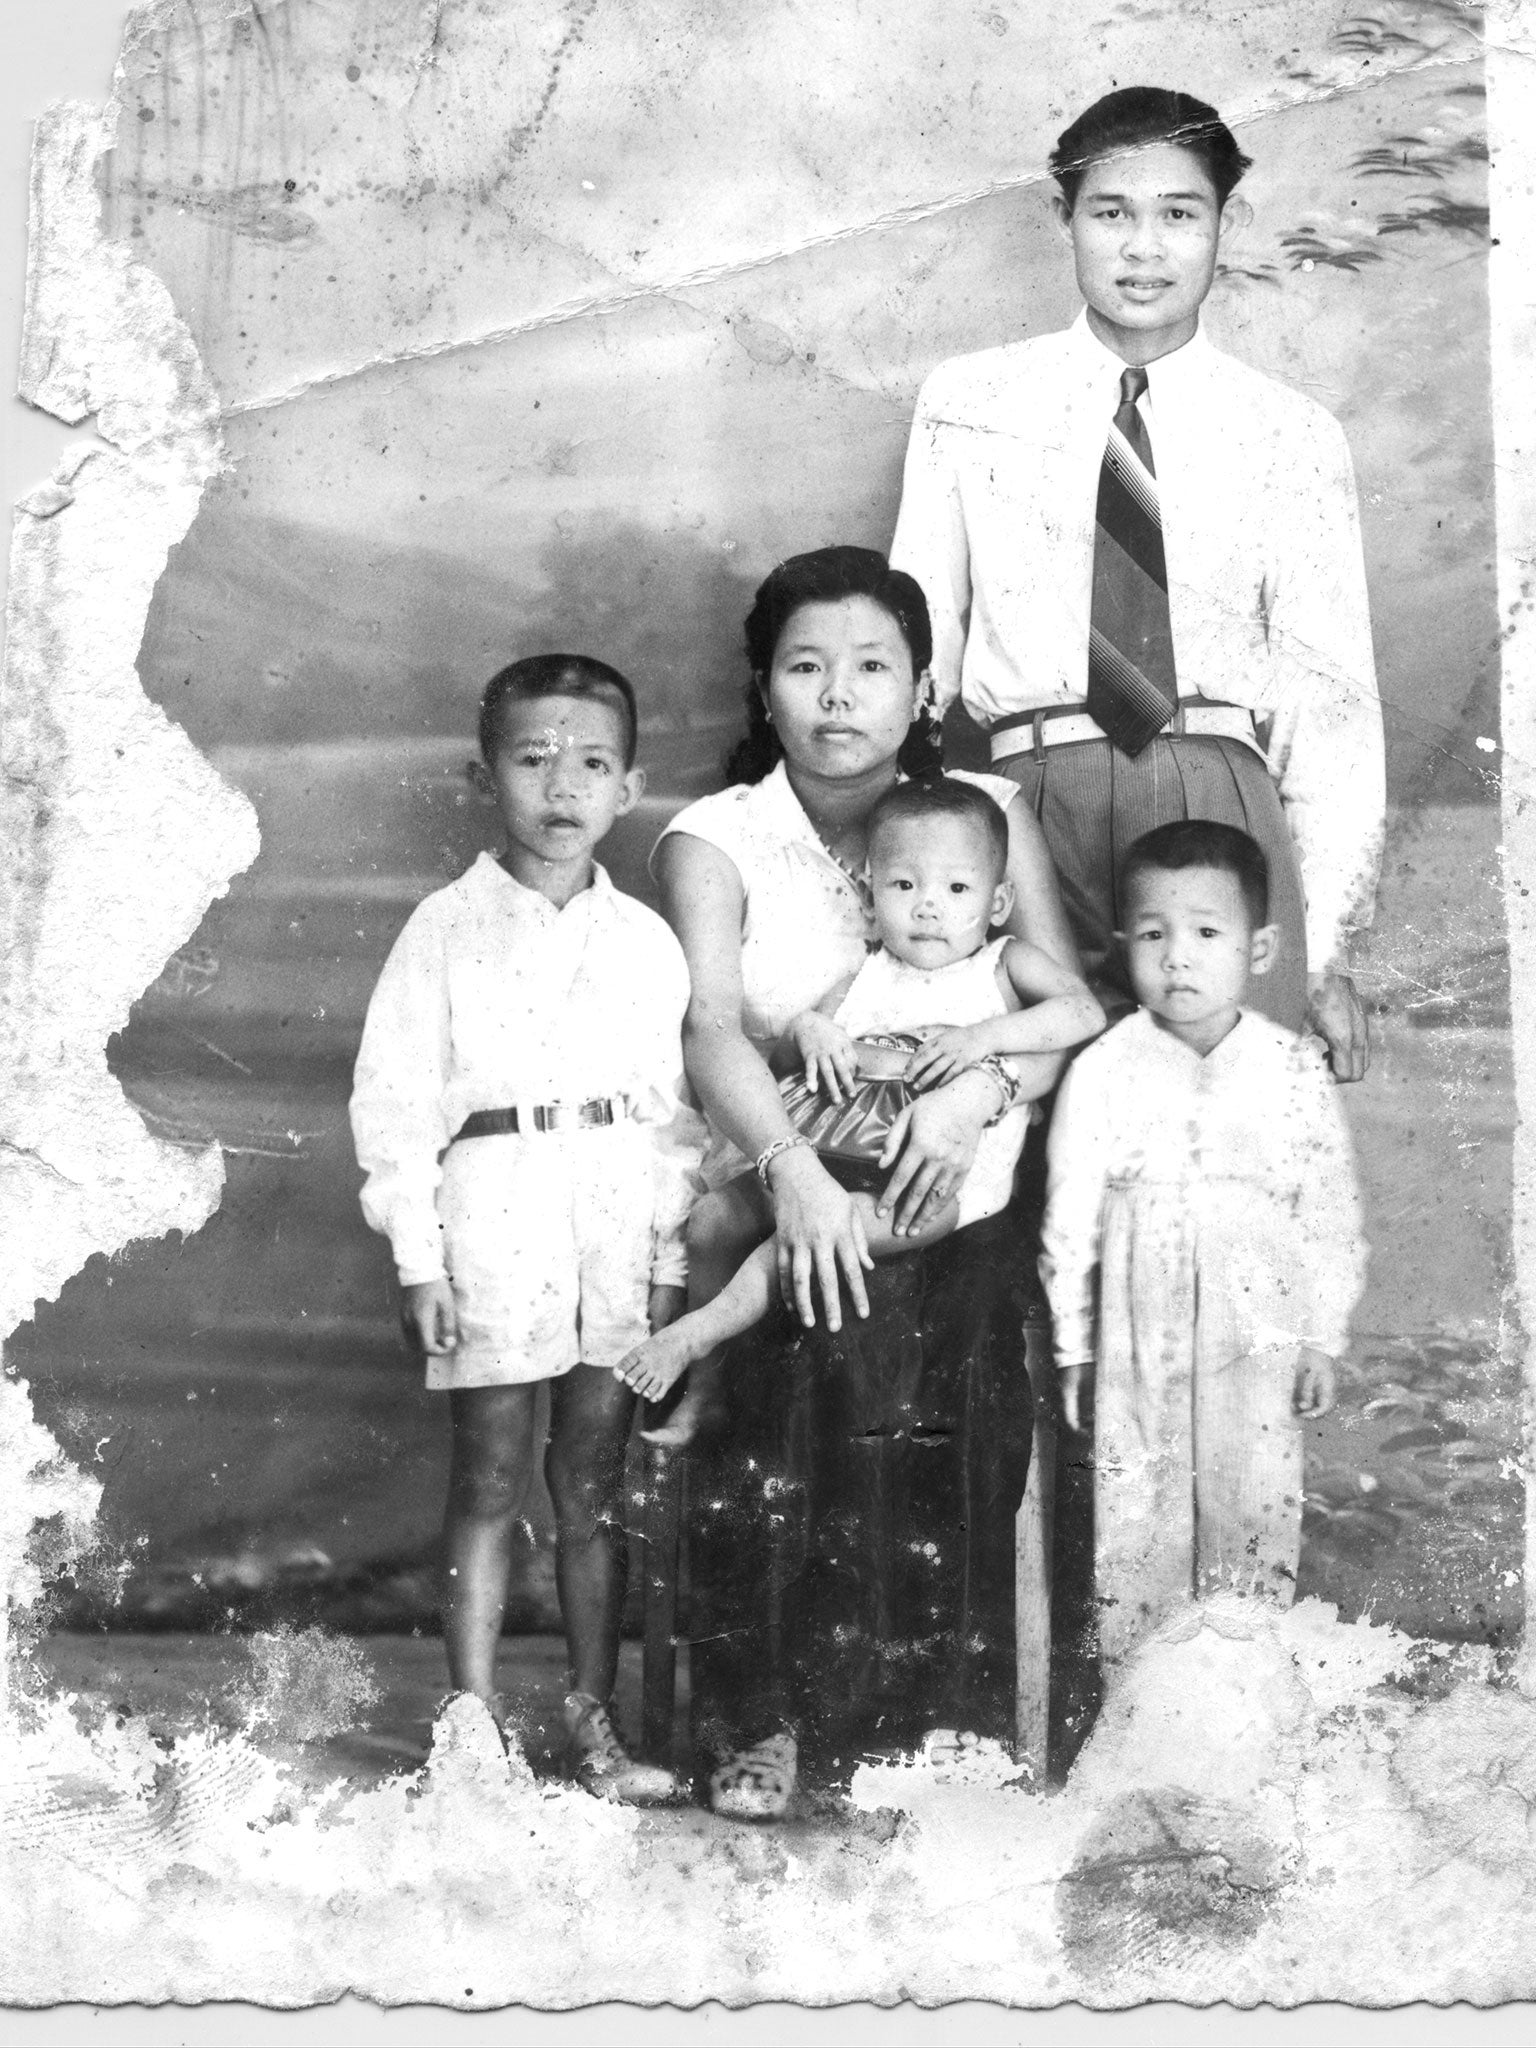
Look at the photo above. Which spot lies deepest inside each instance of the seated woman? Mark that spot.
(851, 1540)
(935, 998)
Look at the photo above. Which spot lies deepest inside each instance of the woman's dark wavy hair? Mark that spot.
(823, 577)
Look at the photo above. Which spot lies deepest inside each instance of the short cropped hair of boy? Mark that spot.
(518, 1117)
(1144, 565)
(1202, 1248)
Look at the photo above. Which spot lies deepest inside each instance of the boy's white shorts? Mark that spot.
(548, 1243)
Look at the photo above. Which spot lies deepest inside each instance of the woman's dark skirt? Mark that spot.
(852, 1533)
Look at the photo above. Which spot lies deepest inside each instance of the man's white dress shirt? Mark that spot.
(1266, 577)
(491, 999)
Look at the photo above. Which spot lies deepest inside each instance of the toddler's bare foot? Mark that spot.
(656, 1366)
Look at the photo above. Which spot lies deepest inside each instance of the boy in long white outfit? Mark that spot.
(1202, 1245)
(517, 1113)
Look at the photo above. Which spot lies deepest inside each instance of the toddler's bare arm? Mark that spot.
(1059, 1013)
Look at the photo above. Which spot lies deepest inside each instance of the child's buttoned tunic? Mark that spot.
(492, 999)
(1208, 1206)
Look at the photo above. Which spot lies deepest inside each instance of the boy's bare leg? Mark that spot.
(492, 1462)
(590, 1414)
(724, 1227)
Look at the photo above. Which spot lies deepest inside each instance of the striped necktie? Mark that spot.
(1132, 687)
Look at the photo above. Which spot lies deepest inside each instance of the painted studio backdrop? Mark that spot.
(546, 326)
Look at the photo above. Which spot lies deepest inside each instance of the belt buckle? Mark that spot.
(546, 1116)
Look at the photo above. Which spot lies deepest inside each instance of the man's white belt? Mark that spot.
(1031, 732)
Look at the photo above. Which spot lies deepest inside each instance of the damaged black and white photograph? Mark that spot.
(932, 1407)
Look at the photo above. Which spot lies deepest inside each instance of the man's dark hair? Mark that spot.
(1139, 117)
(557, 675)
(947, 797)
(1201, 843)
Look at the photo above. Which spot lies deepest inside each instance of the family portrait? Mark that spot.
(760, 1020)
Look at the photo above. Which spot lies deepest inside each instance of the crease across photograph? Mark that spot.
(764, 823)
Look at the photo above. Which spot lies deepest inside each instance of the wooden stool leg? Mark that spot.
(663, 1525)
(1034, 1557)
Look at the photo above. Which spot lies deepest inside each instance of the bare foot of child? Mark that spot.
(696, 1413)
(655, 1366)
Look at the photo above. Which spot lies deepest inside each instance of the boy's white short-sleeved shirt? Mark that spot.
(490, 999)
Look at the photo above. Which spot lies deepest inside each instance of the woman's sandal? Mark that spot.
(757, 1783)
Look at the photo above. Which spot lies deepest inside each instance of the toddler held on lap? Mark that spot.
(934, 999)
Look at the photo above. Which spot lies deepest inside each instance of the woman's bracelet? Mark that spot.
(769, 1153)
(1010, 1088)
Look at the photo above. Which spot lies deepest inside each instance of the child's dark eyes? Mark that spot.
(959, 888)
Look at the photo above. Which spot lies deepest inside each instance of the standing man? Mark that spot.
(1144, 567)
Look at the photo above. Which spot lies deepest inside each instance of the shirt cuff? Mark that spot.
(420, 1273)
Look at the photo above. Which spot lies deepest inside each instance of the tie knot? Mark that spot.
(1132, 384)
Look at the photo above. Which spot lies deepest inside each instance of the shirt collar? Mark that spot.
(1172, 373)
(493, 878)
(787, 815)
(1233, 1048)
(783, 810)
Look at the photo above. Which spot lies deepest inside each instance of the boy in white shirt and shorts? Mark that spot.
(518, 1116)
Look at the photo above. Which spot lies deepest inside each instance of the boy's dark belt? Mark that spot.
(544, 1116)
(1026, 732)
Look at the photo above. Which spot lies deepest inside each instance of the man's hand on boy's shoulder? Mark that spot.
(429, 1318)
(1336, 1013)
(666, 1304)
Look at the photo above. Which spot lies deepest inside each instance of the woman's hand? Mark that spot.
(828, 1054)
(933, 1143)
(817, 1231)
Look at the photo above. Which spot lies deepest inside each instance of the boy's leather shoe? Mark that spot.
(602, 1765)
